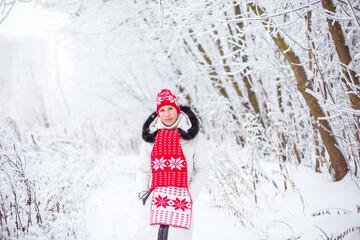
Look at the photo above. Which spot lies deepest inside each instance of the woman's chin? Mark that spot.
(168, 123)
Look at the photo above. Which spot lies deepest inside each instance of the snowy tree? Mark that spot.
(273, 82)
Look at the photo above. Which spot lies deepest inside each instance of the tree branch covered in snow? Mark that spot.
(275, 84)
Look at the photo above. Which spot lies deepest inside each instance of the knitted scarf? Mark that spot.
(171, 201)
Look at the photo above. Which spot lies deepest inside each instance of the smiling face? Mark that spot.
(168, 115)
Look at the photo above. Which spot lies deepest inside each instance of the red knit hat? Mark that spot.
(165, 97)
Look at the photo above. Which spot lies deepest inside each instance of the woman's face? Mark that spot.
(168, 115)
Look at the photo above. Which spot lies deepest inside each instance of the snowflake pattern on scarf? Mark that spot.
(159, 164)
(171, 206)
(168, 163)
(177, 163)
(171, 202)
(180, 204)
(162, 202)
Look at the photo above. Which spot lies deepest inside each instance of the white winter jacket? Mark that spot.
(193, 146)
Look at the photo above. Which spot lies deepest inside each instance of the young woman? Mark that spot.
(173, 168)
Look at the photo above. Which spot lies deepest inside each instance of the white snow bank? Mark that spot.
(329, 209)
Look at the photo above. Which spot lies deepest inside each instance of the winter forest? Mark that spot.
(275, 85)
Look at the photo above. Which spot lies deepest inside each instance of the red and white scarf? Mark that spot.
(171, 201)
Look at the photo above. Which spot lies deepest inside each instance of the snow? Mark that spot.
(112, 214)
(329, 207)
(105, 70)
(22, 21)
(111, 210)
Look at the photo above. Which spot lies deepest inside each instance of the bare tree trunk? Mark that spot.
(246, 78)
(214, 78)
(344, 54)
(319, 157)
(338, 162)
(279, 96)
(188, 100)
(345, 58)
(227, 67)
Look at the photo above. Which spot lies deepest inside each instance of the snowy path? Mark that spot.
(112, 210)
(112, 215)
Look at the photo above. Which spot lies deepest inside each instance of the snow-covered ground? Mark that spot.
(328, 209)
(112, 212)
(315, 207)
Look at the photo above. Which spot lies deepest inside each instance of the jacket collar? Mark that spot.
(187, 131)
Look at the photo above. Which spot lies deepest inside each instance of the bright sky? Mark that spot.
(22, 20)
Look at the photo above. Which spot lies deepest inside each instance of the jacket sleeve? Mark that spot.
(201, 168)
(143, 171)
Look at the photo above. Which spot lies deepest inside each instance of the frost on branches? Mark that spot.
(47, 176)
(274, 83)
(19, 206)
